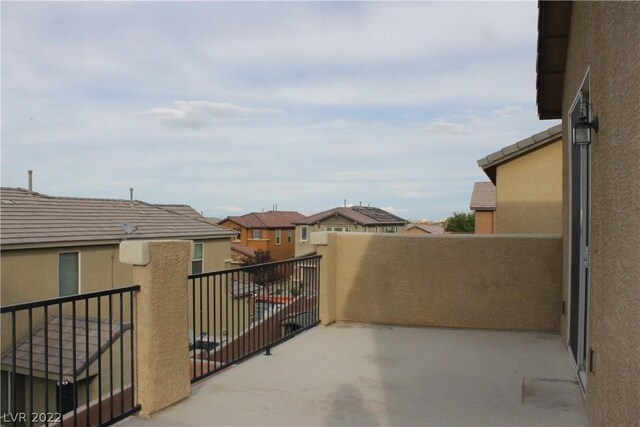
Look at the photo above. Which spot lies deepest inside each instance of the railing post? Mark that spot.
(326, 245)
(161, 321)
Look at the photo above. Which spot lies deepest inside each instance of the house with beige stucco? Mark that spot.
(588, 75)
(528, 187)
(346, 219)
(61, 246)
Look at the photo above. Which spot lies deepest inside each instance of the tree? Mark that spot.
(262, 274)
(464, 222)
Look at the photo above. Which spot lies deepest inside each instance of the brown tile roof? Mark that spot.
(39, 219)
(539, 140)
(364, 215)
(270, 219)
(429, 228)
(483, 197)
(242, 249)
(53, 345)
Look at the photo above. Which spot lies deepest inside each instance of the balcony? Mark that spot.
(417, 330)
(365, 374)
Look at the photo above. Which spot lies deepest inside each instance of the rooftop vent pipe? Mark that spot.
(131, 194)
(30, 181)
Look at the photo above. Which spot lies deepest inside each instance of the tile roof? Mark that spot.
(53, 345)
(429, 228)
(510, 152)
(364, 215)
(39, 219)
(244, 250)
(270, 219)
(483, 197)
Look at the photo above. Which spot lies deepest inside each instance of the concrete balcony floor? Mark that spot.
(359, 374)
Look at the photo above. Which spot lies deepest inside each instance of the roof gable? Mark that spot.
(483, 197)
(364, 215)
(520, 148)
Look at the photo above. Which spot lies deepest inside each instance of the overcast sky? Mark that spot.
(234, 107)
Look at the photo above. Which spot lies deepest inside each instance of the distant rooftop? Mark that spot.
(427, 228)
(270, 219)
(364, 215)
(510, 152)
(483, 197)
(38, 219)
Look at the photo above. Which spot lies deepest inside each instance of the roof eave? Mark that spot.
(554, 18)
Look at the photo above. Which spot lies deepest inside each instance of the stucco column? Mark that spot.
(326, 245)
(160, 267)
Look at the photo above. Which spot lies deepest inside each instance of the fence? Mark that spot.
(239, 312)
(69, 360)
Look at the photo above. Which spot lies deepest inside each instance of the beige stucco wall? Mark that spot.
(500, 282)
(485, 222)
(605, 38)
(529, 192)
(32, 274)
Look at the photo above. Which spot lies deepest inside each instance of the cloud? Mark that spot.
(507, 111)
(230, 209)
(195, 114)
(443, 127)
(393, 210)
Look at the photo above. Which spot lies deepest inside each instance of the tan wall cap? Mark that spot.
(136, 252)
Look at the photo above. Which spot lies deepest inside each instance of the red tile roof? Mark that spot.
(270, 219)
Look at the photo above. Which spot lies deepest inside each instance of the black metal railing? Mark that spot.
(69, 360)
(239, 312)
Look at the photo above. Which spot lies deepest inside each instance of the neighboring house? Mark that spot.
(270, 231)
(415, 228)
(59, 246)
(588, 75)
(354, 218)
(483, 204)
(528, 180)
(56, 246)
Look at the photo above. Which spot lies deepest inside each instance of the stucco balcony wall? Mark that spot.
(509, 282)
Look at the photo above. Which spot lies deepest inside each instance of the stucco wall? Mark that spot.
(529, 192)
(485, 222)
(501, 282)
(605, 36)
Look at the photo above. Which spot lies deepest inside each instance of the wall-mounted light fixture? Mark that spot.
(582, 127)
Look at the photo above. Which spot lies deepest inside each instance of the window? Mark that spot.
(390, 229)
(68, 273)
(304, 232)
(289, 236)
(196, 262)
(278, 236)
(343, 228)
(257, 234)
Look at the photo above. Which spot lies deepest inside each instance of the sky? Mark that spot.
(233, 107)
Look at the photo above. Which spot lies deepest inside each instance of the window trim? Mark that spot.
(289, 236)
(79, 270)
(343, 228)
(201, 259)
(278, 236)
(304, 230)
(254, 232)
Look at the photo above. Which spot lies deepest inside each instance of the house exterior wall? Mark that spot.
(508, 282)
(529, 192)
(485, 222)
(605, 38)
(32, 274)
(267, 242)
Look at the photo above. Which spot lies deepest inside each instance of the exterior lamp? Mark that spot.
(582, 127)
